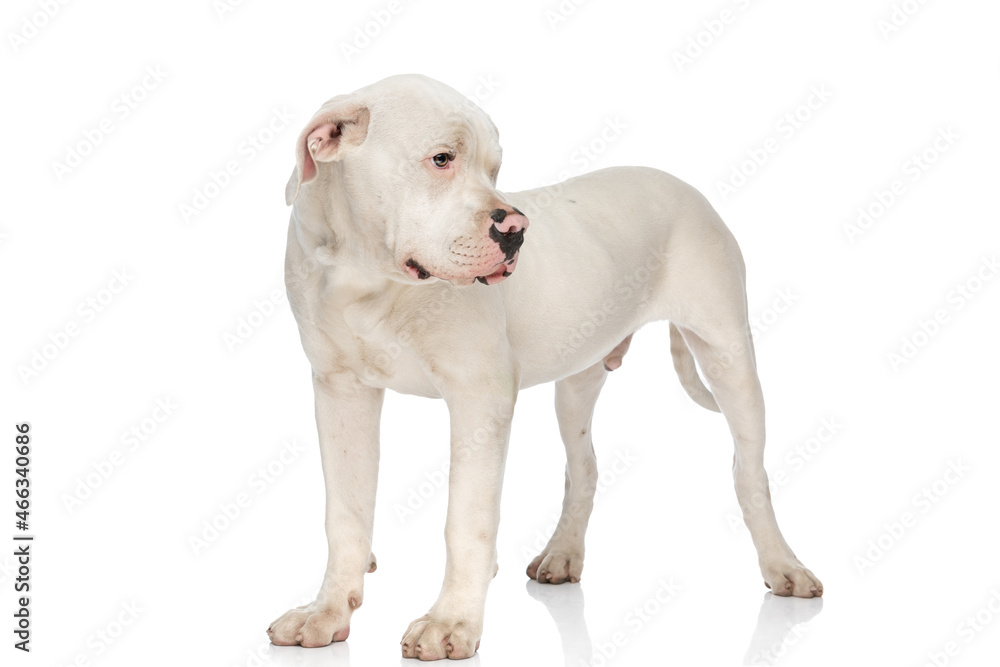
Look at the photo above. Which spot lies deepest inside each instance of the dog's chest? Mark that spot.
(365, 330)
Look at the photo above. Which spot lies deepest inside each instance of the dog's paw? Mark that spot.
(556, 566)
(311, 625)
(433, 638)
(787, 577)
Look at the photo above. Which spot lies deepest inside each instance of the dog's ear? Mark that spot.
(340, 125)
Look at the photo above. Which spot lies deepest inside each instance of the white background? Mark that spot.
(551, 87)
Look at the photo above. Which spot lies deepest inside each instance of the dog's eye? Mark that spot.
(441, 160)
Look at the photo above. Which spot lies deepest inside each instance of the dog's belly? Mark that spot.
(595, 265)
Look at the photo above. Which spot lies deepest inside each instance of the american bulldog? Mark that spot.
(408, 270)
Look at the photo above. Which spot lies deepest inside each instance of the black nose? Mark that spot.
(498, 215)
(510, 242)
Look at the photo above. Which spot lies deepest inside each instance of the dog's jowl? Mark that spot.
(408, 270)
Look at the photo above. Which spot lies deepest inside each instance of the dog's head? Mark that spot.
(417, 163)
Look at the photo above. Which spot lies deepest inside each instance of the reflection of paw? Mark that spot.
(312, 625)
(433, 638)
(566, 606)
(557, 600)
(556, 566)
(787, 576)
(781, 613)
(779, 618)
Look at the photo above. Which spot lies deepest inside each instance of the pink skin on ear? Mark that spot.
(321, 144)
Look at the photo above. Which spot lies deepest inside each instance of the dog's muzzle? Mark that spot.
(508, 233)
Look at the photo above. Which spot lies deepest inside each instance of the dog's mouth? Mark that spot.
(500, 272)
(504, 270)
(416, 271)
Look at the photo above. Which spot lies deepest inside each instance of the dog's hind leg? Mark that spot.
(725, 355)
(562, 558)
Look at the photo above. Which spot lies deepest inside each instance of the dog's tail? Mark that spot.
(688, 372)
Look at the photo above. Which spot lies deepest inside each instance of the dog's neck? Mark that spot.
(327, 229)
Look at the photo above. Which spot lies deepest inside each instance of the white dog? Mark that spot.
(404, 272)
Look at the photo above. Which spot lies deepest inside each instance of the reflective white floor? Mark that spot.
(780, 626)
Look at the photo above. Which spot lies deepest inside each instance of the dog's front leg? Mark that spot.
(480, 428)
(347, 417)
